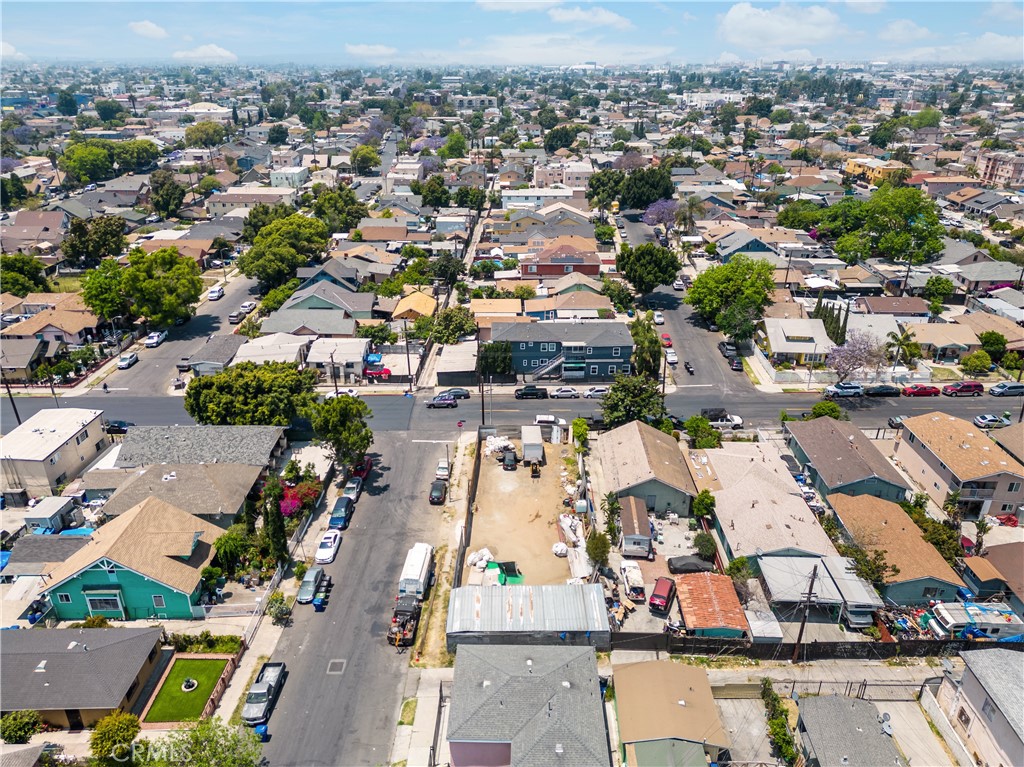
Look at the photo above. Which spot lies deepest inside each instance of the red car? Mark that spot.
(921, 390)
(363, 468)
(666, 340)
(376, 371)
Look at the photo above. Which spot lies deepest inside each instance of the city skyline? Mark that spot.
(508, 33)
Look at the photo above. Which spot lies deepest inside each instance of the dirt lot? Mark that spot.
(516, 516)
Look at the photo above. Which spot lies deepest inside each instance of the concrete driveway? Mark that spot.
(912, 734)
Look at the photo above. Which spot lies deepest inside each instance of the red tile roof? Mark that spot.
(709, 601)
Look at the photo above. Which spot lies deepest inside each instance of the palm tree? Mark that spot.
(646, 346)
(982, 526)
(900, 344)
(688, 212)
(954, 514)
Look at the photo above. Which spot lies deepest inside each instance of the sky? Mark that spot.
(510, 32)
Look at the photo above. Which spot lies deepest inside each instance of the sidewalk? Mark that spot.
(413, 742)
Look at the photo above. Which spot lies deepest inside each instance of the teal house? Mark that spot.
(146, 563)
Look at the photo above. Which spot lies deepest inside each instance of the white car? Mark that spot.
(564, 392)
(549, 420)
(156, 338)
(443, 470)
(844, 390)
(342, 393)
(353, 489)
(659, 318)
(328, 548)
(125, 361)
(678, 285)
(595, 391)
(247, 307)
(215, 294)
(671, 357)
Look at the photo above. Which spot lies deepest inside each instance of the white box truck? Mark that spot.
(533, 445)
(417, 572)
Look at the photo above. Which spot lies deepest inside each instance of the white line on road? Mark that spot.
(694, 386)
(434, 441)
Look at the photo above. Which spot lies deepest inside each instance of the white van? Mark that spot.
(549, 420)
(417, 572)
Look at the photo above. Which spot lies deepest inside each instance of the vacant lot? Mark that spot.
(174, 705)
(516, 516)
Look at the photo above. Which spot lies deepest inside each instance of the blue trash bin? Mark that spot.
(318, 605)
(261, 732)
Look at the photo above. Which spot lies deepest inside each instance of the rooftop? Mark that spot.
(846, 731)
(966, 450)
(527, 609)
(637, 452)
(46, 431)
(709, 601)
(1001, 673)
(251, 445)
(841, 453)
(200, 489)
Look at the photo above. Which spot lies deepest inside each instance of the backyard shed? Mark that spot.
(636, 528)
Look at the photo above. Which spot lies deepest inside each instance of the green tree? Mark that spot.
(455, 146)
(647, 266)
(260, 215)
(206, 134)
(209, 743)
(166, 194)
(86, 163)
(646, 185)
(647, 348)
(494, 358)
(827, 409)
(448, 268)
(66, 103)
(453, 323)
(701, 433)
(435, 194)
(276, 297)
(938, 289)
(272, 394)
(111, 739)
(705, 545)
(598, 547)
(232, 545)
(340, 425)
(976, 364)
(161, 286)
(603, 188)
(993, 344)
(1013, 361)
(364, 158)
(561, 137)
(340, 209)
(604, 233)
(612, 509)
(103, 290)
(12, 192)
(704, 504)
(89, 242)
(107, 109)
(733, 295)
(902, 347)
(547, 117)
(281, 247)
(18, 727)
(800, 214)
(278, 134)
(21, 274)
(378, 334)
(633, 398)
(739, 570)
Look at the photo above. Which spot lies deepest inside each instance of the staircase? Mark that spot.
(545, 370)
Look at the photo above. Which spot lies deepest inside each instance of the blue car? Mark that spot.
(341, 514)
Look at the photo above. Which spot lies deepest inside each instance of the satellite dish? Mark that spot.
(886, 717)
(887, 728)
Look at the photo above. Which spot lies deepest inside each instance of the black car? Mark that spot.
(117, 427)
(736, 363)
(532, 392)
(456, 393)
(508, 460)
(678, 565)
(438, 492)
(883, 390)
(443, 400)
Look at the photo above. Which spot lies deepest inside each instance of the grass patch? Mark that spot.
(727, 661)
(749, 370)
(408, 712)
(209, 282)
(236, 715)
(945, 374)
(173, 705)
(66, 284)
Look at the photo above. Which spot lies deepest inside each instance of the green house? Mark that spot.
(146, 563)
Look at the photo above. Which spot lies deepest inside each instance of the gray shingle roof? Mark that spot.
(1002, 675)
(838, 727)
(251, 445)
(75, 677)
(218, 349)
(32, 553)
(545, 701)
(198, 489)
(590, 333)
(322, 322)
(841, 453)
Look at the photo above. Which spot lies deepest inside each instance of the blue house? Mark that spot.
(590, 351)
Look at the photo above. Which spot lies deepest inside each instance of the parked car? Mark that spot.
(565, 392)
(671, 357)
(689, 564)
(442, 400)
(1007, 389)
(844, 390)
(666, 340)
(248, 307)
(328, 548)
(532, 392)
(310, 583)
(215, 293)
(963, 389)
(125, 361)
(720, 419)
(443, 470)
(678, 285)
(920, 390)
(353, 489)
(341, 514)
(235, 317)
(735, 363)
(595, 391)
(727, 349)
(661, 597)
(183, 365)
(659, 318)
(376, 371)
(350, 392)
(509, 461)
(263, 694)
(548, 420)
(438, 492)
(155, 338)
(457, 393)
(117, 427)
(991, 421)
(362, 469)
(896, 421)
(882, 390)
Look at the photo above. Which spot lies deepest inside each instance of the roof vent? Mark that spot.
(41, 667)
(487, 683)
(73, 645)
(559, 749)
(566, 684)
(681, 702)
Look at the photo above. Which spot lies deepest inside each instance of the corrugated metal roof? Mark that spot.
(527, 609)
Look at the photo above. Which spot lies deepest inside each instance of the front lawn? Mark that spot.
(174, 705)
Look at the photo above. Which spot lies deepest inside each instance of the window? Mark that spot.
(931, 591)
(132, 688)
(522, 346)
(616, 351)
(97, 604)
(625, 369)
(568, 269)
(612, 370)
(911, 439)
(532, 268)
(82, 437)
(1007, 507)
(963, 717)
(531, 344)
(1015, 487)
(526, 363)
(593, 370)
(54, 459)
(590, 350)
(534, 363)
(64, 599)
(988, 709)
(543, 361)
(158, 601)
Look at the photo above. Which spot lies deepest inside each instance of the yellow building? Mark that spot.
(874, 170)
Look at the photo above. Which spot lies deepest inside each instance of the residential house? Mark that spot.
(984, 204)
(942, 186)
(310, 322)
(872, 169)
(799, 341)
(667, 715)
(575, 175)
(905, 309)
(945, 341)
(572, 283)
(289, 177)
(746, 242)
(838, 731)
(473, 175)
(538, 198)
(878, 525)
(414, 304)
(67, 321)
(579, 305)
(339, 359)
(514, 706)
(1011, 439)
(325, 295)
(260, 446)
(512, 174)
(983, 322)
(496, 307)
(557, 261)
(248, 197)
(984, 275)
(1001, 169)
(642, 462)
(595, 351)
(333, 270)
(839, 458)
(997, 574)
(75, 677)
(49, 449)
(710, 606)
(19, 358)
(146, 563)
(985, 706)
(944, 454)
(216, 354)
(274, 347)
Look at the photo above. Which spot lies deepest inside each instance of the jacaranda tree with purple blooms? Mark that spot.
(861, 350)
(661, 212)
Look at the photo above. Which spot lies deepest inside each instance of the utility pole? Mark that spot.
(807, 609)
(10, 396)
(334, 374)
(490, 390)
(483, 406)
(408, 359)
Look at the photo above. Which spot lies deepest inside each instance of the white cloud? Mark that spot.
(147, 29)
(515, 6)
(1010, 13)
(987, 47)
(783, 25)
(866, 6)
(211, 53)
(903, 31)
(370, 51)
(8, 51)
(187, 38)
(688, 17)
(727, 57)
(544, 49)
(589, 17)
